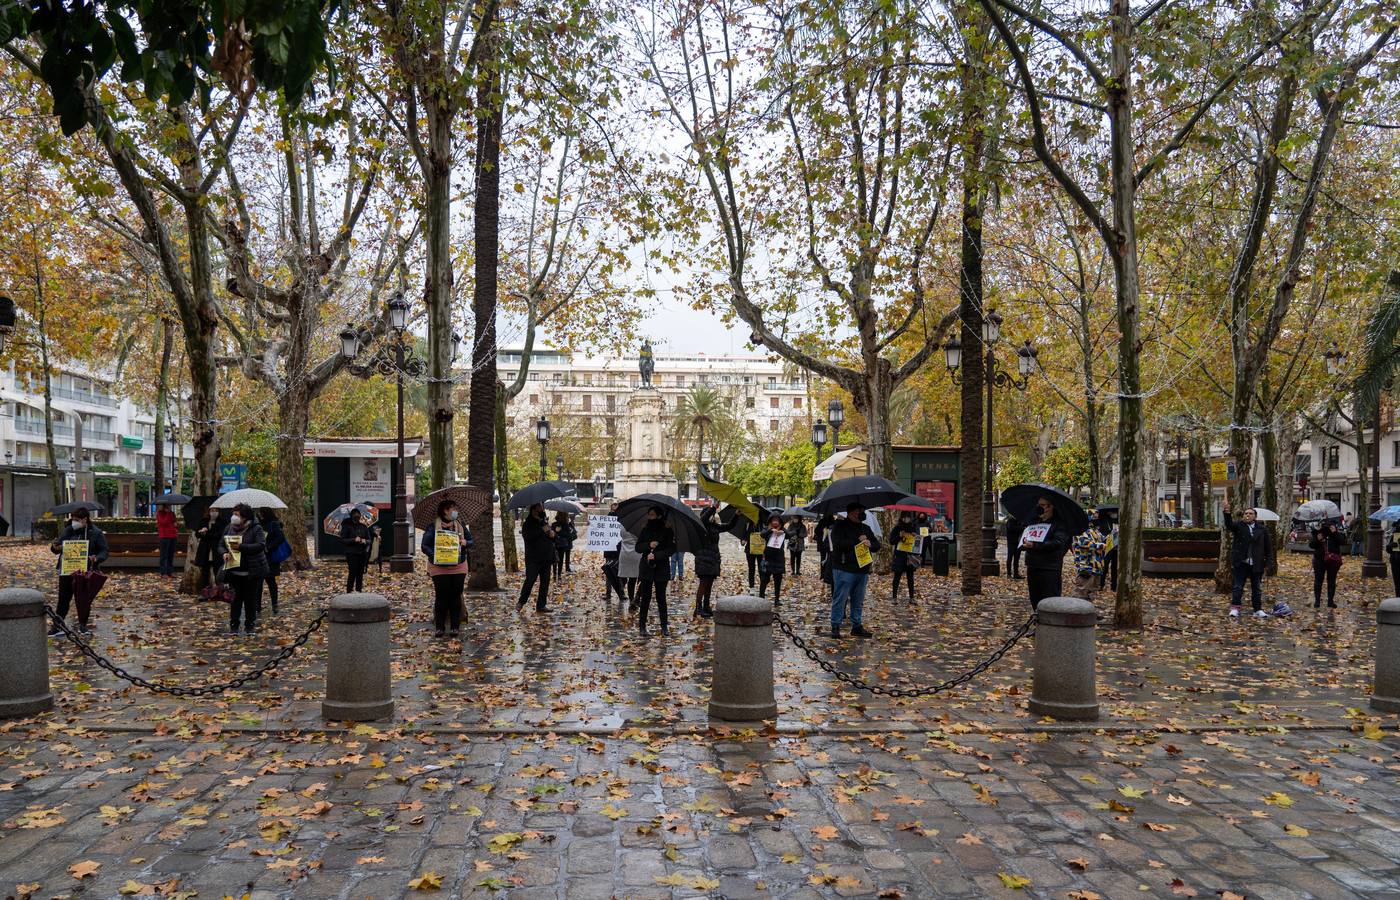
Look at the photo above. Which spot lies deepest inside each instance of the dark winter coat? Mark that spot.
(707, 559)
(564, 535)
(205, 552)
(97, 543)
(429, 542)
(252, 560)
(1013, 533)
(656, 563)
(842, 538)
(773, 557)
(819, 535)
(1322, 542)
(796, 537)
(902, 562)
(1257, 550)
(349, 531)
(539, 544)
(1049, 554)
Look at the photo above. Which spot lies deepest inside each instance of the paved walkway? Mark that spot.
(563, 756)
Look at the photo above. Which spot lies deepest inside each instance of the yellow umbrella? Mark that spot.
(728, 493)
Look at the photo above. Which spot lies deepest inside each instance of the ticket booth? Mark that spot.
(932, 473)
(358, 471)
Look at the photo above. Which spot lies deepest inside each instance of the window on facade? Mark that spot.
(1395, 453)
(772, 402)
(1333, 457)
(558, 377)
(772, 381)
(680, 381)
(796, 402)
(748, 402)
(612, 403)
(772, 424)
(587, 402)
(632, 380)
(534, 398)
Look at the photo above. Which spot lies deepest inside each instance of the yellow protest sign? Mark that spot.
(863, 557)
(234, 541)
(74, 558)
(447, 549)
(906, 542)
(756, 543)
(923, 531)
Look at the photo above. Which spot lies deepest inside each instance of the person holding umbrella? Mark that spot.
(1252, 550)
(1045, 550)
(796, 542)
(245, 566)
(564, 536)
(1326, 544)
(707, 564)
(656, 543)
(356, 537)
(538, 536)
(446, 545)
(168, 531)
(903, 562)
(1394, 546)
(771, 569)
(81, 548)
(853, 547)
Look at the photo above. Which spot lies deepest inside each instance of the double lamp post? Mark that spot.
(394, 358)
(1026, 365)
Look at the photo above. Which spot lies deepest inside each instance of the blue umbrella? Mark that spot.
(1388, 514)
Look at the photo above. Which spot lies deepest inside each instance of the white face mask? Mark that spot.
(453, 515)
(76, 523)
(235, 520)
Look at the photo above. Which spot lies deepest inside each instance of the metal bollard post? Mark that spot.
(742, 680)
(1063, 685)
(357, 659)
(1385, 693)
(24, 664)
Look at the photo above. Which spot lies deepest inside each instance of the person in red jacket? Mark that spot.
(169, 533)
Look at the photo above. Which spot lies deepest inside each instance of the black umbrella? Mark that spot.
(731, 521)
(870, 491)
(690, 531)
(194, 511)
(171, 499)
(539, 492)
(799, 512)
(66, 508)
(1020, 500)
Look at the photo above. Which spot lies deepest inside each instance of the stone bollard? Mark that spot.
(742, 681)
(1063, 686)
(357, 659)
(24, 664)
(1385, 693)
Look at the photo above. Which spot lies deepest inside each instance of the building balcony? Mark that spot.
(86, 397)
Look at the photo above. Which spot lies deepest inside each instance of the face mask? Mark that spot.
(235, 520)
(77, 523)
(453, 515)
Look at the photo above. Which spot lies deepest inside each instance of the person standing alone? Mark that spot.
(354, 534)
(1249, 556)
(853, 548)
(245, 566)
(169, 533)
(539, 556)
(1045, 556)
(446, 545)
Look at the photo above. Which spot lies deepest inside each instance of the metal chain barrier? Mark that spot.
(174, 691)
(1026, 628)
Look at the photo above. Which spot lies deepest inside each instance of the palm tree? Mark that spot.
(1382, 346)
(700, 409)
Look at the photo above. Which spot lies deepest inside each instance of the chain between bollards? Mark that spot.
(174, 691)
(1026, 628)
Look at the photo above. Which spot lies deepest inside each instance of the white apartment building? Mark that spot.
(769, 397)
(113, 431)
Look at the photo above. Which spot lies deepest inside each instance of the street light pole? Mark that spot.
(542, 435)
(402, 560)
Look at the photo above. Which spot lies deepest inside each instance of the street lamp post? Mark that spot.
(559, 465)
(396, 358)
(1179, 444)
(542, 435)
(819, 437)
(597, 488)
(835, 417)
(1025, 364)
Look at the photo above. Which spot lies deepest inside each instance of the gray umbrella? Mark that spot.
(799, 512)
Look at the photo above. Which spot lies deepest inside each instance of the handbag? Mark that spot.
(218, 591)
(1332, 559)
(281, 553)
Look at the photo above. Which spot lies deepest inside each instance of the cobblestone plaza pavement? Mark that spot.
(562, 756)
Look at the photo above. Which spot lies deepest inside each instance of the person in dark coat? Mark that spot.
(849, 576)
(903, 563)
(1252, 550)
(819, 534)
(538, 536)
(245, 571)
(1326, 543)
(1013, 546)
(79, 527)
(613, 582)
(754, 559)
(773, 564)
(707, 565)
(564, 536)
(206, 553)
(1394, 547)
(450, 576)
(656, 543)
(276, 537)
(1045, 559)
(796, 543)
(356, 537)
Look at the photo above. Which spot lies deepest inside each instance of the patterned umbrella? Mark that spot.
(338, 516)
(471, 501)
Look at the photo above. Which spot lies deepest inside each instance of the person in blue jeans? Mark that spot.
(849, 576)
(677, 566)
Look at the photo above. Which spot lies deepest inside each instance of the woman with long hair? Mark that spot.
(656, 543)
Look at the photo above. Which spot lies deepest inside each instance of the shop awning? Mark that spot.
(361, 449)
(842, 464)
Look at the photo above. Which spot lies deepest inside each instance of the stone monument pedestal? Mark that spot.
(648, 467)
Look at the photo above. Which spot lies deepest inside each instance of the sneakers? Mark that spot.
(84, 631)
(54, 632)
(1260, 614)
(439, 633)
(859, 631)
(1234, 612)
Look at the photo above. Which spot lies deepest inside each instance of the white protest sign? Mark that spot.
(1034, 534)
(603, 534)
